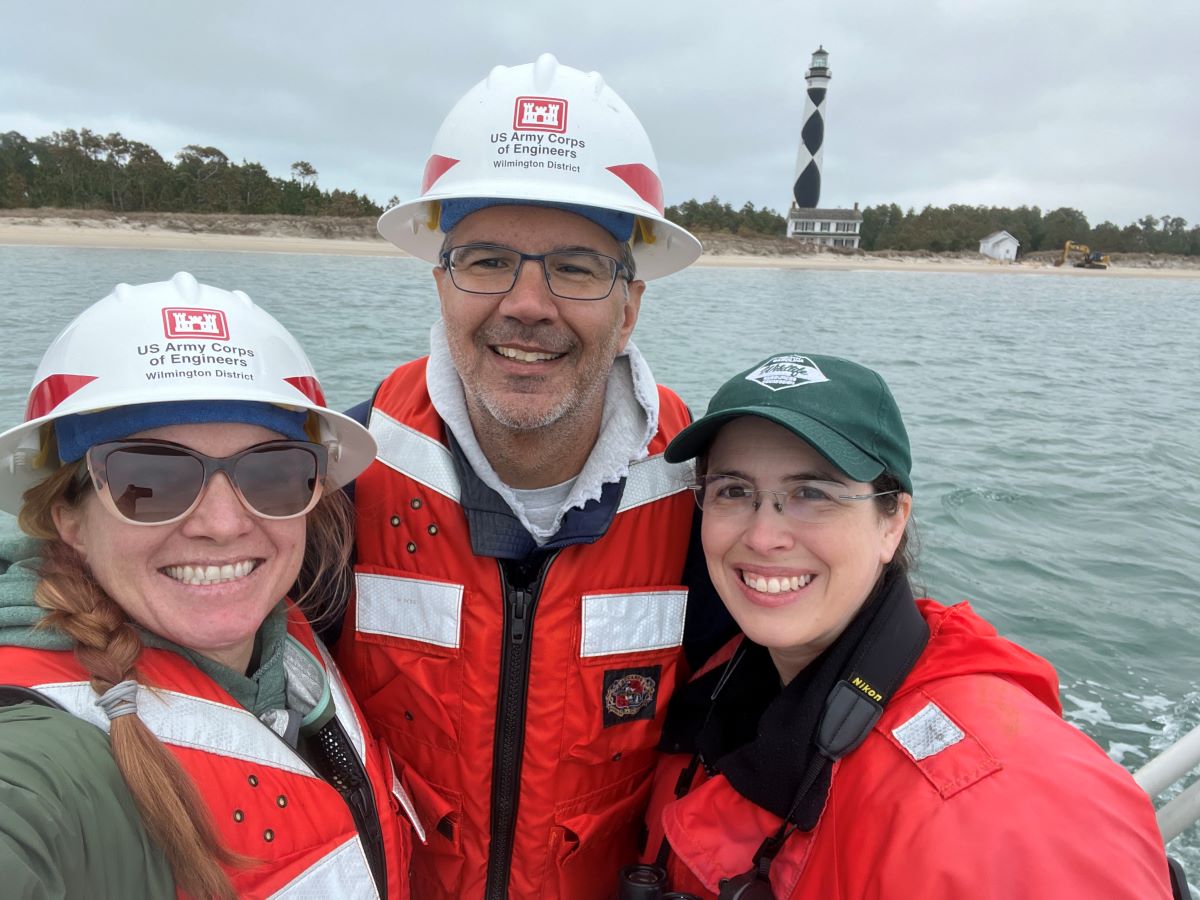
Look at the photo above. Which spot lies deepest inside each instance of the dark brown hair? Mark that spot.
(905, 557)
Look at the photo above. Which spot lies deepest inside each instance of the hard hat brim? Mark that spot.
(408, 226)
(352, 447)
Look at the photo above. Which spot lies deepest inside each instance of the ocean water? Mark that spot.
(1055, 424)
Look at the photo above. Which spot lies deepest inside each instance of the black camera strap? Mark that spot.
(683, 783)
(893, 641)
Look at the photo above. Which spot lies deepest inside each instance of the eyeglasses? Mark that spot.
(804, 501)
(148, 482)
(570, 274)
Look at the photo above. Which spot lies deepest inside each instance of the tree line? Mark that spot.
(960, 227)
(84, 170)
(714, 215)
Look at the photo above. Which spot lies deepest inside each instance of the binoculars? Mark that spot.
(646, 882)
(649, 882)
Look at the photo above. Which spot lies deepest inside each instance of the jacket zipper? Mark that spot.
(509, 746)
(364, 811)
(353, 785)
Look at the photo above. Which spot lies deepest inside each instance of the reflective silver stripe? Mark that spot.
(342, 707)
(344, 872)
(307, 683)
(427, 611)
(186, 721)
(416, 455)
(429, 462)
(408, 806)
(628, 623)
(652, 479)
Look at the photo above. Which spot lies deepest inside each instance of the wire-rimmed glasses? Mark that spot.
(805, 501)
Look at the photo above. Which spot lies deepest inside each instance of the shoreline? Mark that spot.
(163, 239)
(75, 229)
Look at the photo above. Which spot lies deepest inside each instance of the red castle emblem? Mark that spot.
(184, 322)
(540, 114)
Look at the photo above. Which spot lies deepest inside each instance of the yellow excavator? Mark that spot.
(1088, 259)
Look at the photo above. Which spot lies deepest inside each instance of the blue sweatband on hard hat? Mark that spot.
(618, 224)
(79, 432)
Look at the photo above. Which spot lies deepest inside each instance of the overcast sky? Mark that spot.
(1091, 105)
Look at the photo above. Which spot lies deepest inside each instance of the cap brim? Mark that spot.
(849, 459)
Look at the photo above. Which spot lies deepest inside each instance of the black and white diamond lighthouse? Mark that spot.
(807, 221)
(807, 188)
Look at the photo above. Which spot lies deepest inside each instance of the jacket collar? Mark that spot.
(630, 420)
(499, 533)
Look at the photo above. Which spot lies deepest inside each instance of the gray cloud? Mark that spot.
(1077, 104)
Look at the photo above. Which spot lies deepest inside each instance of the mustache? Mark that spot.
(545, 338)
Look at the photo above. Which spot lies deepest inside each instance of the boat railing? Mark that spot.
(1183, 810)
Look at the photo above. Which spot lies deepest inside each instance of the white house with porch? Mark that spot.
(831, 227)
(999, 245)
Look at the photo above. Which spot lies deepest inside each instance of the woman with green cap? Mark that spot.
(854, 742)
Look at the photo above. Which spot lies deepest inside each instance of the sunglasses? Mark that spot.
(148, 482)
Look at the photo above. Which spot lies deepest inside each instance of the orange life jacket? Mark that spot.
(969, 785)
(526, 721)
(265, 800)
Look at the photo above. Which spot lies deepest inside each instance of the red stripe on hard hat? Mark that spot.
(643, 181)
(52, 391)
(435, 167)
(309, 387)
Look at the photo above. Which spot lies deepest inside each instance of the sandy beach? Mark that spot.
(161, 239)
(357, 237)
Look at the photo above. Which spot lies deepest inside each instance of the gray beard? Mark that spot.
(569, 409)
(574, 406)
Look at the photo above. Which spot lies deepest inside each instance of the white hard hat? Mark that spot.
(544, 133)
(168, 342)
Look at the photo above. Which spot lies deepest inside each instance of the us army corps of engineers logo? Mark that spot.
(540, 114)
(787, 371)
(189, 322)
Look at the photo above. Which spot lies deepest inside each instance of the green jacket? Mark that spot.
(68, 824)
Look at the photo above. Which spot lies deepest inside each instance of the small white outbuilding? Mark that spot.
(999, 245)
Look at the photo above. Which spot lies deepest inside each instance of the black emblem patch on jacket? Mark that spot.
(630, 694)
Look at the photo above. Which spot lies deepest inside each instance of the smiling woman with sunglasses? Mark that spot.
(180, 466)
(854, 742)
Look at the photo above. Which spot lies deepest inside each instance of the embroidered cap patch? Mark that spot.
(630, 694)
(786, 371)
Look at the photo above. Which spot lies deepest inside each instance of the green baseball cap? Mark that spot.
(843, 410)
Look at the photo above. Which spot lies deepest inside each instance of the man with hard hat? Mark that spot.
(521, 610)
